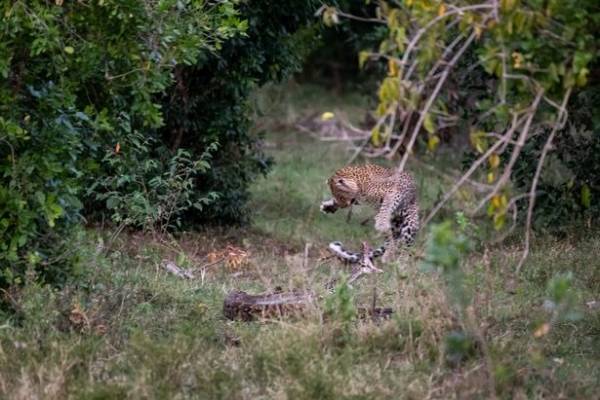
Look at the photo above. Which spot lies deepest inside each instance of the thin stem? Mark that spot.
(362, 19)
(547, 146)
(400, 140)
(516, 151)
(516, 123)
(446, 53)
(413, 42)
(432, 98)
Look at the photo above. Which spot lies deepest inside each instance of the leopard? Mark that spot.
(392, 193)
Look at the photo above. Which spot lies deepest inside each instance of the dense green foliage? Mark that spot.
(478, 67)
(209, 101)
(77, 80)
(570, 188)
(128, 110)
(333, 63)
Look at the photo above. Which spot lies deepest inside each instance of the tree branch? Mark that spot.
(432, 98)
(516, 151)
(559, 123)
(516, 123)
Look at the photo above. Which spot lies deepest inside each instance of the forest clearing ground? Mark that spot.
(129, 329)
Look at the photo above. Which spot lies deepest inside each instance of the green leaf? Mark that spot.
(428, 123)
(499, 220)
(586, 196)
(112, 202)
(581, 79)
(376, 137)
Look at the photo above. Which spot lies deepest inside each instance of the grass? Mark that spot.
(130, 330)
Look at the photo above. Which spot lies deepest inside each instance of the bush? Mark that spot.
(497, 73)
(152, 193)
(571, 188)
(209, 101)
(78, 80)
(132, 109)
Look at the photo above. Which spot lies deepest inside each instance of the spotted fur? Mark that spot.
(394, 195)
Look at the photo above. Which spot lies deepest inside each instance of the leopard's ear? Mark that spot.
(347, 184)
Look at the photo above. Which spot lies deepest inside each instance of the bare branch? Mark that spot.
(512, 205)
(547, 146)
(362, 19)
(515, 124)
(390, 128)
(446, 53)
(452, 176)
(432, 98)
(380, 121)
(413, 42)
(516, 151)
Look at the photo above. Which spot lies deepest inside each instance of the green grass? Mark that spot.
(129, 329)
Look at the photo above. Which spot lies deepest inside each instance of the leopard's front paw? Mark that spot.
(328, 206)
(383, 225)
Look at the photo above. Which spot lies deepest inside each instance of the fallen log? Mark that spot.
(246, 307)
(374, 313)
(242, 306)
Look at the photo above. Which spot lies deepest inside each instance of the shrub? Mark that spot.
(511, 68)
(208, 101)
(152, 192)
(78, 79)
(132, 109)
(571, 188)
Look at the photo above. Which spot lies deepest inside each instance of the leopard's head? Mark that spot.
(343, 188)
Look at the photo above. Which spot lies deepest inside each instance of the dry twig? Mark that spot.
(560, 121)
(432, 98)
(515, 153)
(515, 124)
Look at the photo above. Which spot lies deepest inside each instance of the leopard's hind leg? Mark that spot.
(391, 241)
(404, 227)
(409, 227)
